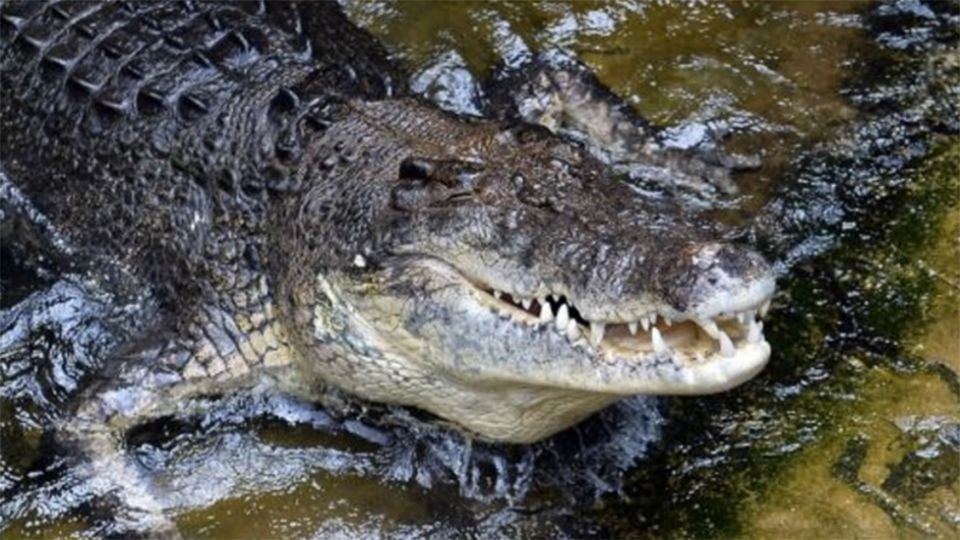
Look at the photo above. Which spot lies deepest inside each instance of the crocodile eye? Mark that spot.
(426, 182)
(453, 173)
(414, 168)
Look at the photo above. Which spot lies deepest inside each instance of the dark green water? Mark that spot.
(852, 431)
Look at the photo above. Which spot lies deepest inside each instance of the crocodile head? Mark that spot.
(519, 286)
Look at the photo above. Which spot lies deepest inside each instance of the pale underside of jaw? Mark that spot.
(732, 342)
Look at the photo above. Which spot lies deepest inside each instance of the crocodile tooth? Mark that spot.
(526, 303)
(633, 328)
(496, 294)
(765, 308)
(596, 332)
(742, 317)
(573, 330)
(755, 333)
(710, 327)
(563, 317)
(726, 346)
(653, 319)
(659, 345)
(645, 322)
(359, 261)
(546, 314)
(667, 321)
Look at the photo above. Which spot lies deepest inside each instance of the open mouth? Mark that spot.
(688, 341)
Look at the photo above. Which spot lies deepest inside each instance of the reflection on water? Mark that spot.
(852, 429)
(891, 459)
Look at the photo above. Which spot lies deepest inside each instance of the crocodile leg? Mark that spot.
(222, 349)
(163, 377)
(560, 93)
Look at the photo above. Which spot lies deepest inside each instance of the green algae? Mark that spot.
(828, 491)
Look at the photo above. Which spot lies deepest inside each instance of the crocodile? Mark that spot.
(300, 219)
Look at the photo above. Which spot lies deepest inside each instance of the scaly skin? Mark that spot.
(260, 171)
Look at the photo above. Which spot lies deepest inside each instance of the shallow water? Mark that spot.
(853, 430)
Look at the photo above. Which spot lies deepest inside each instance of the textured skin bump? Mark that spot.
(161, 122)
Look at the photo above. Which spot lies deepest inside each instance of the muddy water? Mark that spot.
(853, 431)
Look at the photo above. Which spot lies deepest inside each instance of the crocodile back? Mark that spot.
(85, 69)
(146, 128)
